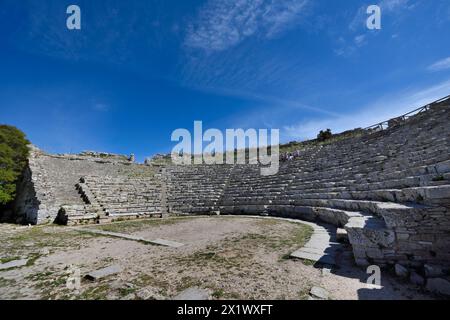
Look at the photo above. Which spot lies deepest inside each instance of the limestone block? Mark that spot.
(193, 293)
(341, 235)
(362, 262)
(374, 253)
(102, 273)
(432, 271)
(401, 271)
(438, 192)
(439, 285)
(402, 236)
(319, 293)
(416, 278)
(443, 167)
(13, 264)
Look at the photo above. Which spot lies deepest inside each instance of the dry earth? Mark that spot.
(232, 257)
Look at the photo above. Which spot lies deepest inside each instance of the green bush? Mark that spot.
(324, 135)
(13, 158)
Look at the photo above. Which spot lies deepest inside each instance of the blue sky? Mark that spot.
(137, 70)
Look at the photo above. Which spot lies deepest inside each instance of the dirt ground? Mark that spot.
(231, 257)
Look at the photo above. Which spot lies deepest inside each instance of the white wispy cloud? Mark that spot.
(223, 24)
(440, 65)
(393, 5)
(385, 108)
(109, 32)
(360, 40)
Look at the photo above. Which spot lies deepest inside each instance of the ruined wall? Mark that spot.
(50, 181)
(26, 204)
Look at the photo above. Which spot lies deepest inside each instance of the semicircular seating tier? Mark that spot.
(390, 189)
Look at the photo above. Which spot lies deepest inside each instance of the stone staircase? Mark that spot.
(109, 198)
(52, 183)
(196, 189)
(388, 189)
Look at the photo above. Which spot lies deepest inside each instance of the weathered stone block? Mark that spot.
(433, 271)
(193, 293)
(401, 271)
(341, 235)
(439, 285)
(416, 278)
(102, 273)
(319, 293)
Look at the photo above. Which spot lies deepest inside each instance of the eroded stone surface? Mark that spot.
(416, 279)
(401, 271)
(319, 293)
(13, 264)
(193, 293)
(103, 273)
(320, 248)
(439, 285)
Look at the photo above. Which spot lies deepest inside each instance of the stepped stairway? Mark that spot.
(387, 189)
(109, 198)
(196, 189)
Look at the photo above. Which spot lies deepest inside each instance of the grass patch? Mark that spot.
(49, 283)
(237, 252)
(219, 293)
(145, 280)
(40, 276)
(40, 237)
(222, 294)
(9, 259)
(188, 282)
(307, 262)
(6, 282)
(32, 259)
(212, 257)
(99, 292)
(293, 239)
(285, 256)
(123, 292)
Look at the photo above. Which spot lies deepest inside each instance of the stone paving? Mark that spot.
(159, 242)
(322, 247)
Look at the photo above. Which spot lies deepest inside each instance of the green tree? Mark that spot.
(13, 158)
(324, 135)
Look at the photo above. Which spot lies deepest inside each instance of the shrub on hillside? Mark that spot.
(13, 158)
(324, 135)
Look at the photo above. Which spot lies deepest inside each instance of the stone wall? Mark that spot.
(50, 182)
